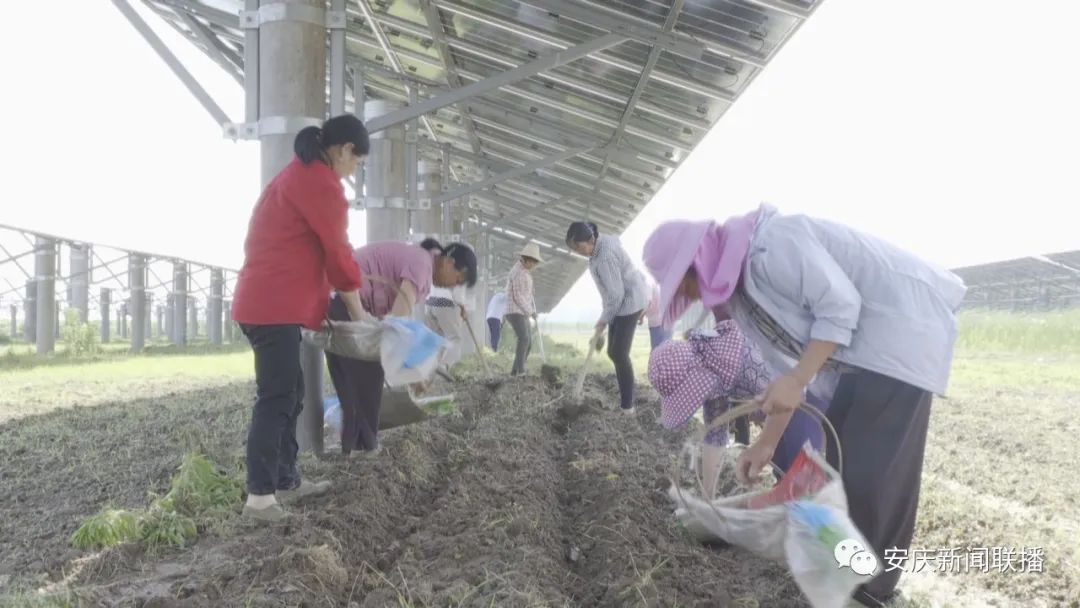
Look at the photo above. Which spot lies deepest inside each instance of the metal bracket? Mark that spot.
(270, 125)
(285, 11)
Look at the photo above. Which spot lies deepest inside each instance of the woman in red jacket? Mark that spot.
(296, 250)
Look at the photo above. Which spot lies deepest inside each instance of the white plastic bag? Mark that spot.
(410, 351)
(802, 521)
(407, 349)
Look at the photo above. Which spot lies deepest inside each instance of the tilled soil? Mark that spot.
(523, 499)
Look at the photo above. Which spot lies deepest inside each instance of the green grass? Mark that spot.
(1047, 333)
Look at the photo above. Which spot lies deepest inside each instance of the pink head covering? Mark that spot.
(686, 374)
(716, 251)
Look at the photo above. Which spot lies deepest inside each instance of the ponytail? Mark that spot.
(308, 144)
(430, 244)
(312, 142)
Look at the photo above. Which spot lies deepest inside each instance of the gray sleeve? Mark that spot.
(800, 268)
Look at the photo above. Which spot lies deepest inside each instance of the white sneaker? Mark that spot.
(628, 411)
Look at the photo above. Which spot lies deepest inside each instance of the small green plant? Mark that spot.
(107, 528)
(162, 527)
(199, 495)
(200, 490)
(81, 338)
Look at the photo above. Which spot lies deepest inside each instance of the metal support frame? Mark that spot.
(643, 31)
(174, 64)
(509, 175)
(480, 87)
(438, 35)
(227, 58)
(639, 88)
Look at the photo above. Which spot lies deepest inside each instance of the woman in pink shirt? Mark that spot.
(413, 270)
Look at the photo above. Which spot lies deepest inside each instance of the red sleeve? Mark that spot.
(326, 211)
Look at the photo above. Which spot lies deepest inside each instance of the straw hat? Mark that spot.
(531, 250)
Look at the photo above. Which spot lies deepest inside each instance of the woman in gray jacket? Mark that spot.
(624, 293)
(825, 297)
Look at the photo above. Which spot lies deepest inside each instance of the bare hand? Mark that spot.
(751, 462)
(600, 327)
(783, 395)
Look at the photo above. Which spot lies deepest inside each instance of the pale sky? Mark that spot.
(948, 127)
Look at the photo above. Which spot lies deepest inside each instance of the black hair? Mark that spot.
(312, 142)
(463, 255)
(581, 232)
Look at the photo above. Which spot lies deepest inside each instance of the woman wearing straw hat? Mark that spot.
(624, 292)
(520, 303)
(822, 296)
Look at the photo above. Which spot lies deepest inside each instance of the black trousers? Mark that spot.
(620, 341)
(359, 387)
(271, 443)
(494, 332)
(882, 424)
(520, 323)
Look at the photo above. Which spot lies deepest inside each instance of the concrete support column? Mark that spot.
(179, 302)
(79, 280)
(30, 309)
(121, 321)
(137, 285)
(160, 320)
(228, 328)
(169, 317)
(14, 321)
(427, 220)
(148, 317)
(214, 306)
(106, 319)
(292, 83)
(386, 178)
(45, 274)
(193, 319)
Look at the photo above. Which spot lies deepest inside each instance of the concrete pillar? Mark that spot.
(179, 302)
(137, 285)
(45, 274)
(160, 320)
(193, 319)
(169, 317)
(214, 306)
(228, 328)
(30, 316)
(148, 316)
(79, 280)
(292, 83)
(106, 319)
(427, 220)
(14, 321)
(385, 178)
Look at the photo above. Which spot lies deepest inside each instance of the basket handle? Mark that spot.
(743, 408)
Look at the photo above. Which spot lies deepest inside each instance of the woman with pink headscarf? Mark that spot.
(817, 296)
